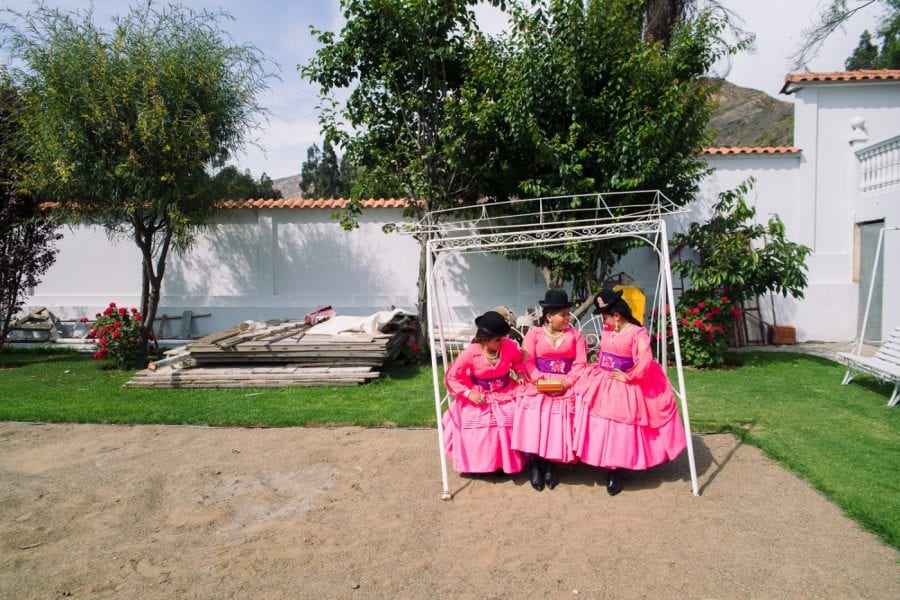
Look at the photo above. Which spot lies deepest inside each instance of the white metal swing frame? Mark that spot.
(540, 225)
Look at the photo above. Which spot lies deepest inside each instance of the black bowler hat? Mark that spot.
(605, 299)
(493, 324)
(555, 299)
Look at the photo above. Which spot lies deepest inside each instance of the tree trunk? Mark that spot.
(151, 280)
(422, 297)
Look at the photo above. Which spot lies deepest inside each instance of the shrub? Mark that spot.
(117, 332)
(705, 324)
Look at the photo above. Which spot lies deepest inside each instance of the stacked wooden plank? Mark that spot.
(240, 377)
(275, 355)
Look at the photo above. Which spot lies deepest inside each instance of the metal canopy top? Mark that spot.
(522, 223)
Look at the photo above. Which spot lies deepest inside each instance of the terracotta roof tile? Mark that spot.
(838, 77)
(334, 203)
(749, 150)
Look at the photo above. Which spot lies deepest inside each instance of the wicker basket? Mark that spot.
(782, 334)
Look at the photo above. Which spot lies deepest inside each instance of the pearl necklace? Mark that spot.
(619, 330)
(492, 359)
(553, 337)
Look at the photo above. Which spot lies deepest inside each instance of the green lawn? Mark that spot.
(844, 440)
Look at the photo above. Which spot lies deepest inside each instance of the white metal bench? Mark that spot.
(884, 366)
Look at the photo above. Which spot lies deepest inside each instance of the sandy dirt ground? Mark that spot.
(182, 512)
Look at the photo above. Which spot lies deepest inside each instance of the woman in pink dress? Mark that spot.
(626, 414)
(478, 422)
(554, 351)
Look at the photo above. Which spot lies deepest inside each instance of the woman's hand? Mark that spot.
(475, 396)
(618, 375)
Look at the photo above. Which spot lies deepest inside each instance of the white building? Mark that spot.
(834, 190)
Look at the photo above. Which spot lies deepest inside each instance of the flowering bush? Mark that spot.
(413, 353)
(117, 332)
(705, 324)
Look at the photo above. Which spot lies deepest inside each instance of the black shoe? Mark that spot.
(613, 484)
(550, 477)
(537, 473)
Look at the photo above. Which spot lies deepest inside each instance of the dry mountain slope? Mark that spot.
(748, 117)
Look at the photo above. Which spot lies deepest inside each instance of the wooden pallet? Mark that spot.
(242, 377)
(278, 355)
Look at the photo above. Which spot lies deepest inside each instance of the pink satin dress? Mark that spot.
(631, 424)
(544, 422)
(477, 436)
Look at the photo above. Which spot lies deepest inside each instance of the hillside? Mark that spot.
(744, 117)
(748, 117)
(288, 186)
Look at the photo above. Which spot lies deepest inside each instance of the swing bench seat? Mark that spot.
(884, 366)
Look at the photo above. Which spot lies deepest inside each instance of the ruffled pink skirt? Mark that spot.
(543, 424)
(477, 436)
(611, 444)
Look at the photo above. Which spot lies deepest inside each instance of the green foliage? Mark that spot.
(121, 126)
(231, 184)
(705, 325)
(740, 258)
(865, 55)
(889, 32)
(117, 332)
(833, 17)
(27, 235)
(407, 122)
(322, 177)
(592, 105)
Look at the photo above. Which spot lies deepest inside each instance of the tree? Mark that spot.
(865, 55)
(737, 259)
(740, 257)
(27, 236)
(594, 105)
(835, 15)
(404, 120)
(231, 184)
(320, 176)
(121, 126)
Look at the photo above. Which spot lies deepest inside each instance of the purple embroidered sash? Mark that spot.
(554, 365)
(493, 384)
(610, 362)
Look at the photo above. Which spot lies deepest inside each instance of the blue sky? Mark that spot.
(280, 29)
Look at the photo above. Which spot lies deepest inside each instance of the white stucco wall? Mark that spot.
(278, 263)
(828, 191)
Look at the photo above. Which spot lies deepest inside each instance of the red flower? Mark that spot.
(117, 324)
(685, 322)
(716, 310)
(736, 313)
(122, 311)
(117, 334)
(112, 304)
(107, 312)
(698, 323)
(84, 319)
(709, 337)
(415, 347)
(137, 317)
(103, 342)
(724, 299)
(707, 316)
(98, 355)
(702, 305)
